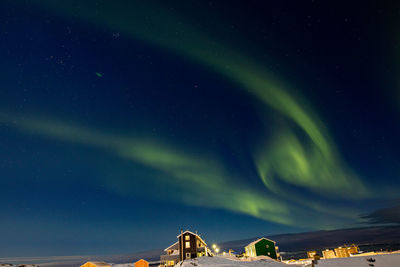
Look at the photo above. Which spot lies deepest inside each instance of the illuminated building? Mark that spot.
(262, 246)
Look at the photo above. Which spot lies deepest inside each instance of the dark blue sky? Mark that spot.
(233, 118)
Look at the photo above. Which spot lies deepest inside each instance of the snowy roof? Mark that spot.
(172, 246)
(187, 231)
(256, 241)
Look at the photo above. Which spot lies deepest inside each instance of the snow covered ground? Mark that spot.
(389, 260)
(18, 265)
(231, 262)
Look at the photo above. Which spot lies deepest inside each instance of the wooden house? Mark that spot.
(328, 254)
(172, 255)
(262, 247)
(353, 249)
(188, 246)
(96, 264)
(341, 252)
(142, 263)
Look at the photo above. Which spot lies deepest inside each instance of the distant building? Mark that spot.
(311, 254)
(172, 256)
(96, 264)
(262, 246)
(346, 251)
(142, 263)
(231, 252)
(328, 254)
(353, 249)
(342, 252)
(188, 246)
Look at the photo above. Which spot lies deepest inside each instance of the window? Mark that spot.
(187, 244)
(188, 255)
(187, 237)
(170, 263)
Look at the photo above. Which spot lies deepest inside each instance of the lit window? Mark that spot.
(188, 255)
(187, 237)
(187, 244)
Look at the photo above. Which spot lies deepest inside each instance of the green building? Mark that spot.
(262, 247)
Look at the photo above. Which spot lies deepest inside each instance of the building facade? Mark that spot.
(188, 246)
(262, 247)
(341, 252)
(142, 263)
(311, 254)
(353, 249)
(328, 254)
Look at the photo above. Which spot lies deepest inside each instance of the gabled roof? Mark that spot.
(258, 240)
(142, 260)
(187, 231)
(172, 246)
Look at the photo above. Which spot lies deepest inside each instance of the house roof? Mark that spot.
(258, 240)
(99, 263)
(187, 231)
(171, 247)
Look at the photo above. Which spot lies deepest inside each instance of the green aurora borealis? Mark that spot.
(123, 120)
(300, 152)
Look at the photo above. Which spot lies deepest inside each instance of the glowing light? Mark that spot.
(301, 154)
(312, 163)
(200, 174)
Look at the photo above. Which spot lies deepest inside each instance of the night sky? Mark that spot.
(122, 122)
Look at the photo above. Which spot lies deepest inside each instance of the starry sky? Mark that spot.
(122, 122)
